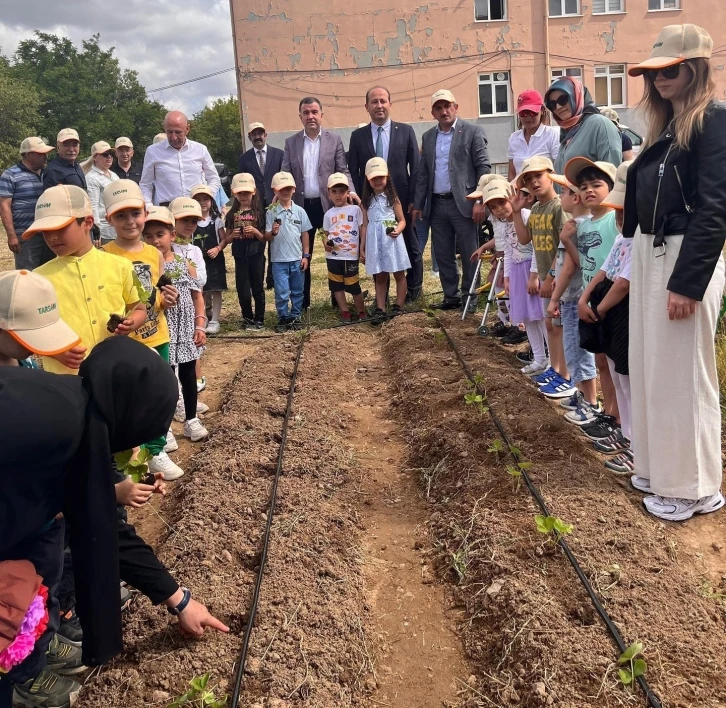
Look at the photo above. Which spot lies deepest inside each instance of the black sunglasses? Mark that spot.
(669, 72)
(106, 154)
(552, 104)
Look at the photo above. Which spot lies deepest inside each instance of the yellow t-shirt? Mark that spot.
(155, 330)
(90, 289)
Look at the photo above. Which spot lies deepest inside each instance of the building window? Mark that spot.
(485, 10)
(610, 85)
(654, 5)
(494, 92)
(574, 71)
(501, 168)
(604, 7)
(561, 8)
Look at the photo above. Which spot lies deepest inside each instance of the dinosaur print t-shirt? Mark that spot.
(595, 239)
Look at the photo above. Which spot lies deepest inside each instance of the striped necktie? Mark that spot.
(261, 154)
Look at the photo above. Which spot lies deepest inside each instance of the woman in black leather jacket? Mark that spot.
(675, 209)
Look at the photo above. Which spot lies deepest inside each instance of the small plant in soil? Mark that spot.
(515, 472)
(496, 447)
(552, 525)
(164, 280)
(477, 400)
(199, 696)
(631, 666)
(135, 467)
(390, 225)
(439, 337)
(515, 451)
(429, 312)
(113, 322)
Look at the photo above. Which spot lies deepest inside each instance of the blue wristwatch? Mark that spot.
(176, 611)
(306, 255)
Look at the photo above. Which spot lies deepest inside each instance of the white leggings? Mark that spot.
(622, 394)
(537, 335)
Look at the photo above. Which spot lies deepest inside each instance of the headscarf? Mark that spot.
(132, 394)
(576, 95)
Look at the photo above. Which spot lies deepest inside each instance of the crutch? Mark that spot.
(491, 297)
(473, 288)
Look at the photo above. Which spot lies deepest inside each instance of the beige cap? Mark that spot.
(578, 164)
(498, 189)
(124, 142)
(562, 181)
(481, 186)
(182, 207)
(443, 95)
(57, 207)
(610, 113)
(100, 147)
(122, 194)
(162, 214)
(376, 167)
(29, 313)
(158, 138)
(675, 44)
(255, 126)
(243, 182)
(34, 145)
(282, 180)
(616, 198)
(338, 178)
(202, 189)
(67, 134)
(536, 163)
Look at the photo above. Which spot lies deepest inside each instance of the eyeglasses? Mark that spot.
(669, 72)
(528, 114)
(554, 103)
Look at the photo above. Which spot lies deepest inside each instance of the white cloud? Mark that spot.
(164, 41)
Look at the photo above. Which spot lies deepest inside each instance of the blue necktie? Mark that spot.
(379, 142)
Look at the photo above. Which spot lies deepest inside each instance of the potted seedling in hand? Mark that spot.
(140, 483)
(391, 225)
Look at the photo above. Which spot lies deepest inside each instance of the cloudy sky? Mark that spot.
(165, 41)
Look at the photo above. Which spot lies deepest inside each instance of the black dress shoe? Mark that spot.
(447, 305)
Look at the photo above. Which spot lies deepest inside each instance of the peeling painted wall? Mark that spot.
(336, 50)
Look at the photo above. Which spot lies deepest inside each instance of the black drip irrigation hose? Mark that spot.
(239, 676)
(650, 696)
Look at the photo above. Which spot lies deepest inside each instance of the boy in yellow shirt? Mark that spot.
(126, 213)
(92, 286)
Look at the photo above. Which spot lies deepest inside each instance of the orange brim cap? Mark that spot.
(48, 223)
(654, 63)
(562, 181)
(53, 339)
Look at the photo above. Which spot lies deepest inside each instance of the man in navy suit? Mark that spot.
(396, 144)
(262, 162)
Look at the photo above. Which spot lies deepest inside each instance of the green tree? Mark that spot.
(19, 117)
(86, 89)
(218, 127)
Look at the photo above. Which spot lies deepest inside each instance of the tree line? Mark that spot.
(50, 83)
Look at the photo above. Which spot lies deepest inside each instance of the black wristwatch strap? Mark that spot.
(176, 611)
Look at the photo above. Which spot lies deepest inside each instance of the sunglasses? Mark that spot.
(669, 72)
(554, 103)
(107, 154)
(528, 114)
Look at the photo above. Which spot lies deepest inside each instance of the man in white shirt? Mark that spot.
(312, 155)
(175, 165)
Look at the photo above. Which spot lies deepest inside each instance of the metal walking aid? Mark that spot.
(474, 288)
(493, 296)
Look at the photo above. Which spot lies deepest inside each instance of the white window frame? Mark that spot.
(607, 73)
(563, 13)
(568, 71)
(490, 79)
(500, 168)
(489, 12)
(665, 9)
(619, 11)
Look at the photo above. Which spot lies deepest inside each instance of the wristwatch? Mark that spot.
(176, 611)
(306, 255)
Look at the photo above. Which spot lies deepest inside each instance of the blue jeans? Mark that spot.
(580, 363)
(289, 284)
(422, 231)
(33, 253)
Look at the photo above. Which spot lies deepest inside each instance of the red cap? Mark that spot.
(530, 100)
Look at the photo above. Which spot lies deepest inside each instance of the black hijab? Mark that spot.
(132, 394)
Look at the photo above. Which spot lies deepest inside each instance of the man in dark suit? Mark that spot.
(453, 159)
(311, 156)
(396, 144)
(263, 162)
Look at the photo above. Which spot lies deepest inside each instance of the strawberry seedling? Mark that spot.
(633, 667)
(515, 472)
(135, 467)
(496, 447)
(198, 696)
(552, 525)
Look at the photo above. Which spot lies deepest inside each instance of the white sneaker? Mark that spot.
(201, 384)
(164, 464)
(672, 509)
(194, 430)
(171, 444)
(180, 415)
(202, 408)
(213, 327)
(641, 484)
(535, 368)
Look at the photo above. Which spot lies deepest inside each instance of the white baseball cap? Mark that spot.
(442, 95)
(282, 180)
(34, 145)
(243, 182)
(376, 167)
(124, 142)
(29, 314)
(122, 194)
(57, 207)
(484, 180)
(255, 126)
(67, 134)
(202, 189)
(100, 147)
(183, 207)
(162, 214)
(337, 178)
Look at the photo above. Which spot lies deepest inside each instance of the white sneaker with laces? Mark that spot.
(535, 368)
(641, 484)
(164, 464)
(202, 408)
(171, 444)
(673, 509)
(213, 327)
(194, 430)
(201, 384)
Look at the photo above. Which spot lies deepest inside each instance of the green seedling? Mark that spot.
(476, 382)
(515, 451)
(496, 447)
(477, 400)
(137, 468)
(552, 525)
(707, 591)
(439, 337)
(515, 472)
(632, 667)
(198, 696)
(429, 312)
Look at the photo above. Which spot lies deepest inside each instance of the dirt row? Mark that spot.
(530, 630)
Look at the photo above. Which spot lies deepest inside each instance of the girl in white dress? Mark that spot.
(381, 248)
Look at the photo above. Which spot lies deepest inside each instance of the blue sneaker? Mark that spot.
(545, 377)
(559, 388)
(573, 402)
